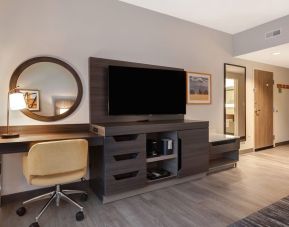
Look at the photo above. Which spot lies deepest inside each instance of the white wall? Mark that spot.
(281, 106)
(254, 39)
(74, 30)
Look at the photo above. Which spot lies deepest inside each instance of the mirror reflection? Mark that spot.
(49, 88)
(235, 101)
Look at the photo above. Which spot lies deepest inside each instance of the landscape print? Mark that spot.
(198, 88)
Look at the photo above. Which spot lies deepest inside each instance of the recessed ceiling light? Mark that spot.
(276, 53)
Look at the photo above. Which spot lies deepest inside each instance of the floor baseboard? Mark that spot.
(264, 148)
(246, 151)
(282, 143)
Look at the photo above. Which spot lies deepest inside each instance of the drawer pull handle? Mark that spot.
(125, 138)
(123, 157)
(123, 176)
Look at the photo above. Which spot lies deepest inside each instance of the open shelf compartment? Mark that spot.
(165, 162)
(161, 158)
(224, 159)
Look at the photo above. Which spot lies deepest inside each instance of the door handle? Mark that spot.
(257, 112)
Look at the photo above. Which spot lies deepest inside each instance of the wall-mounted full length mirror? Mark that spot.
(52, 89)
(235, 101)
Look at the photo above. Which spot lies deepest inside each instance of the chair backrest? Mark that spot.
(57, 157)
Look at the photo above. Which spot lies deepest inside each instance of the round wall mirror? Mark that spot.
(52, 89)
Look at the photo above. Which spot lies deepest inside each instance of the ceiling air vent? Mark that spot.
(272, 34)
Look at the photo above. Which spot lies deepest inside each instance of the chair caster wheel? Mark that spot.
(83, 197)
(79, 216)
(34, 224)
(21, 211)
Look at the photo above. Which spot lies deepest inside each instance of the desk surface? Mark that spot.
(21, 144)
(37, 137)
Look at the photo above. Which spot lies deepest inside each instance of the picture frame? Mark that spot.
(199, 89)
(32, 99)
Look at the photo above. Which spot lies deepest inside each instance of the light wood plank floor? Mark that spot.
(217, 200)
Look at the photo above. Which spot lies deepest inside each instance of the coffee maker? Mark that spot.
(167, 146)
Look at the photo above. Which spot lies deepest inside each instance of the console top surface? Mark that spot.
(122, 128)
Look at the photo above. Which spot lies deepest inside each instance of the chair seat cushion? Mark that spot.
(55, 179)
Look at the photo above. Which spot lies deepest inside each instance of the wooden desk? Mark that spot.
(48, 133)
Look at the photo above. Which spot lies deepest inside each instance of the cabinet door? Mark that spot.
(194, 151)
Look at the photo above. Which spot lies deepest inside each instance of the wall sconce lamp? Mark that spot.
(15, 101)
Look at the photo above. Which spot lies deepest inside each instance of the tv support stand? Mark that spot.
(119, 168)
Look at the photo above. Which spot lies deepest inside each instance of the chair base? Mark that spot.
(56, 195)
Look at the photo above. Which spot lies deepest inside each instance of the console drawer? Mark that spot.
(123, 160)
(224, 146)
(122, 144)
(121, 181)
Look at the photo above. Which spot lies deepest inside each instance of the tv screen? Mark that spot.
(142, 91)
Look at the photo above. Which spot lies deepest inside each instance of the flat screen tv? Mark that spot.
(146, 91)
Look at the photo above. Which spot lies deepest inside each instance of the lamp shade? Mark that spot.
(17, 101)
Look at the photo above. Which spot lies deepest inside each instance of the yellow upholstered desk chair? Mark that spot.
(55, 163)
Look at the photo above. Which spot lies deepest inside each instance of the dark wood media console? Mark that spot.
(121, 164)
(121, 167)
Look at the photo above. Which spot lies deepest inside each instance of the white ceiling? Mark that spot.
(231, 16)
(277, 55)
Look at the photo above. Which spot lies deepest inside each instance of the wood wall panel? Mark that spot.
(98, 74)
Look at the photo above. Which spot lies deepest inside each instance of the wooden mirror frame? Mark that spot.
(242, 138)
(16, 74)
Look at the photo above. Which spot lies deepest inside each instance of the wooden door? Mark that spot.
(263, 109)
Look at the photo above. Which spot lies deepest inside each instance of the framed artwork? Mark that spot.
(32, 99)
(198, 88)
